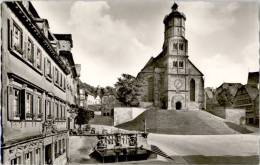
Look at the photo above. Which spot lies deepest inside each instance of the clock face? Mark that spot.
(178, 83)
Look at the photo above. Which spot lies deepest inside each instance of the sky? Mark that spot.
(111, 37)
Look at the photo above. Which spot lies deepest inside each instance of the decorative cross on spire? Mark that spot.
(175, 6)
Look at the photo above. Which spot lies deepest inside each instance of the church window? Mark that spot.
(181, 46)
(180, 64)
(175, 64)
(175, 46)
(192, 90)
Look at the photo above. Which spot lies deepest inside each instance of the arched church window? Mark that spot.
(192, 90)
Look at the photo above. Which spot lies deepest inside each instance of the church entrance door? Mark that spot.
(178, 105)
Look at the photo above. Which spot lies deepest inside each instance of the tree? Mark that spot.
(83, 117)
(128, 90)
(224, 98)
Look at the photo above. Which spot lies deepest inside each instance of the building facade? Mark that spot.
(247, 98)
(33, 90)
(171, 80)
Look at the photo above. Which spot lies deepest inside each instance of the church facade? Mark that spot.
(170, 80)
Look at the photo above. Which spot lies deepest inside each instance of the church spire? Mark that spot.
(174, 6)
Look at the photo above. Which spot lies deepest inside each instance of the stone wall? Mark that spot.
(125, 114)
(237, 116)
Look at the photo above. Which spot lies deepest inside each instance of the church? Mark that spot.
(170, 80)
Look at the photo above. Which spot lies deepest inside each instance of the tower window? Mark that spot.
(175, 46)
(180, 64)
(175, 64)
(181, 46)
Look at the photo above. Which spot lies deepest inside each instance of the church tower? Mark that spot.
(171, 80)
(181, 87)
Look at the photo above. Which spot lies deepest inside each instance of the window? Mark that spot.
(60, 148)
(61, 80)
(180, 64)
(56, 74)
(29, 106)
(30, 57)
(175, 46)
(48, 68)
(57, 111)
(192, 90)
(38, 156)
(17, 38)
(175, 64)
(64, 145)
(56, 149)
(38, 59)
(39, 107)
(16, 161)
(64, 112)
(61, 111)
(16, 106)
(28, 158)
(48, 109)
(181, 46)
(64, 83)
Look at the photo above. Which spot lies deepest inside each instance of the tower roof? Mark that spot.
(174, 13)
(175, 6)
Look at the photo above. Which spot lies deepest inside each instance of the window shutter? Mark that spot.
(10, 94)
(24, 49)
(23, 103)
(46, 107)
(45, 66)
(10, 34)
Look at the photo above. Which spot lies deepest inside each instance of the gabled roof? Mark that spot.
(66, 37)
(252, 91)
(195, 67)
(253, 78)
(68, 55)
(232, 87)
(153, 60)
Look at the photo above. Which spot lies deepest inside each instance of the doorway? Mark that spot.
(178, 105)
(48, 154)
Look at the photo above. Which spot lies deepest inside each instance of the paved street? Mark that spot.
(185, 149)
(207, 145)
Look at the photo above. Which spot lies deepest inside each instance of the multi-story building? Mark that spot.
(64, 46)
(34, 88)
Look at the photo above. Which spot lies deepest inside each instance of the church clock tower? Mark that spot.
(171, 80)
(176, 60)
